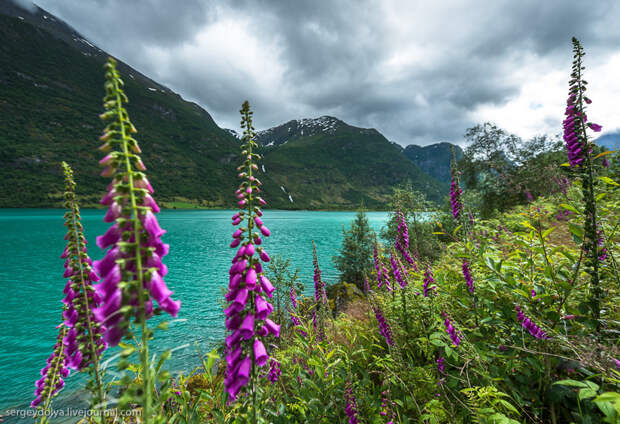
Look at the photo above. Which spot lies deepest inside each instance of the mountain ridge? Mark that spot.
(50, 91)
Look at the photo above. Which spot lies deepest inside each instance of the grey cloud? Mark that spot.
(332, 54)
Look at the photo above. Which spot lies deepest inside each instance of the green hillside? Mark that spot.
(434, 159)
(50, 99)
(51, 85)
(326, 162)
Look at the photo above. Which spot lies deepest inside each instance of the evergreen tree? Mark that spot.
(355, 258)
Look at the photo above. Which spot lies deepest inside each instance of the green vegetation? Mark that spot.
(355, 259)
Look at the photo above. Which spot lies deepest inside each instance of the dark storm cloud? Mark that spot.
(416, 72)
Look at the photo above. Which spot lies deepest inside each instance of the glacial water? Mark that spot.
(31, 282)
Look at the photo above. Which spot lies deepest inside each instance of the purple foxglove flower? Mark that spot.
(260, 354)
(293, 297)
(133, 209)
(266, 286)
(84, 338)
(247, 327)
(52, 374)
(351, 404)
(451, 331)
(274, 371)
(467, 275)
(595, 127)
(263, 308)
(384, 327)
(428, 280)
(455, 198)
(272, 327)
(441, 365)
(605, 162)
(250, 279)
(248, 287)
(532, 328)
(264, 256)
(375, 256)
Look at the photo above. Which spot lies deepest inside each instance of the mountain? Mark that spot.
(609, 141)
(434, 159)
(325, 161)
(51, 86)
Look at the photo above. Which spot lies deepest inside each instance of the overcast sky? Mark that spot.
(418, 71)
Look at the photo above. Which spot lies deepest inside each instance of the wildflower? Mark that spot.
(450, 330)
(351, 404)
(396, 271)
(441, 365)
(402, 240)
(428, 279)
(247, 312)
(605, 162)
(467, 275)
(375, 255)
(136, 250)
(84, 338)
(455, 197)
(52, 374)
(384, 327)
(529, 325)
(293, 297)
(319, 285)
(274, 371)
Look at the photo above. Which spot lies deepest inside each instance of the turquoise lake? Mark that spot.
(31, 281)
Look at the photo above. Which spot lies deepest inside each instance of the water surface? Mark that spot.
(31, 241)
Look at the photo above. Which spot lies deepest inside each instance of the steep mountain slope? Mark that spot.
(325, 162)
(433, 159)
(51, 85)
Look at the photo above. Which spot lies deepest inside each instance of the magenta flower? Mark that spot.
(467, 275)
(396, 271)
(595, 127)
(375, 255)
(319, 285)
(384, 327)
(136, 249)
(84, 338)
(533, 329)
(450, 330)
(52, 374)
(274, 371)
(441, 365)
(248, 310)
(351, 404)
(428, 280)
(402, 240)
(455, 197)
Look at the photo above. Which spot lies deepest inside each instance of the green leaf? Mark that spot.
(572, 383)
(576, 230)
(570, 208)
(586, 394)
(528, 225)
(609, 181)
(548, 231)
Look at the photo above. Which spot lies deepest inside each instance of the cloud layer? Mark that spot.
(419, 72)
